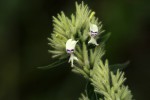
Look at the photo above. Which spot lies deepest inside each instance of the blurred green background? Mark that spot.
(25, 26)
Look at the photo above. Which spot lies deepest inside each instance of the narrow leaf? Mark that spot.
(115, 67)
(53, 65)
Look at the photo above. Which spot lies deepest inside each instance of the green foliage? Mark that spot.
(108, 84)
(103, 83)
(84, 97)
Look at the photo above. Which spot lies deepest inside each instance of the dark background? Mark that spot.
(25, 26)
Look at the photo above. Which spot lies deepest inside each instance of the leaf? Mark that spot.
(122, 66)
(53, 65)
(105, 37)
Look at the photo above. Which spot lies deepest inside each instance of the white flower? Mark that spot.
(93, 33)
(93, 30)
(70, 46)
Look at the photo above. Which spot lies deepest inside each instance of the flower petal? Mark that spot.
(72, 58)
(70, 44)
(93, 28)
(93, 41)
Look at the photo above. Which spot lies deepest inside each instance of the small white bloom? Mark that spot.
(93, 30)
(70, 46)
(93, 33)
